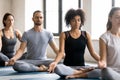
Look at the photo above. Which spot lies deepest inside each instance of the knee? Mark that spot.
(106, 70)
(109, 74)
(63, 70)
(94, 73)
(57, 69)
(18, 66)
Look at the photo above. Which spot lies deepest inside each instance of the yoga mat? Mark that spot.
(7, 73)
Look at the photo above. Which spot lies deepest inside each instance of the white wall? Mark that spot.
(18, 10)
(23, 11)
(87, 9)
(5, 6)
(30, 7)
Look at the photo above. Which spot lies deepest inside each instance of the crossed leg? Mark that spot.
(80, 73)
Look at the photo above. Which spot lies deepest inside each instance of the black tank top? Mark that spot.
(74, 49)
(8, 45)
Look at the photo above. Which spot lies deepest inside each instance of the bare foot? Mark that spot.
(83, 70)
(7, 64)
(80, 75)
(43, 68)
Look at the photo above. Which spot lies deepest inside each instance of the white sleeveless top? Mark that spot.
(113, 50)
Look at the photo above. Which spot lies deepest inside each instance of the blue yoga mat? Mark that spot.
(7, 73)
(52, 79)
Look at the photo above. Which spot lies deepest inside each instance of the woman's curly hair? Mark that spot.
(72, 13)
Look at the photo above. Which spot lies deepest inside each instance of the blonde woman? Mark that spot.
(110, 47)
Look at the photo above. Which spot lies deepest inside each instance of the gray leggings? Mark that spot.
(61, 69)
(29, 65)
(3, 57)
(6, 58)
(110, 74)
(32, 65)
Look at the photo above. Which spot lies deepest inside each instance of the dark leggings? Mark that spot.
(3, 59)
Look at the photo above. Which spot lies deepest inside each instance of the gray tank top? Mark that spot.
(8, 45)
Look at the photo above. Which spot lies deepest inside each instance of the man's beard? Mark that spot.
(38, 24)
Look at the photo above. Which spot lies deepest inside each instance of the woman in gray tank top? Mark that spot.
(8, 39)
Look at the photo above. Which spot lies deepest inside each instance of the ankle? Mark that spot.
(43, 68)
